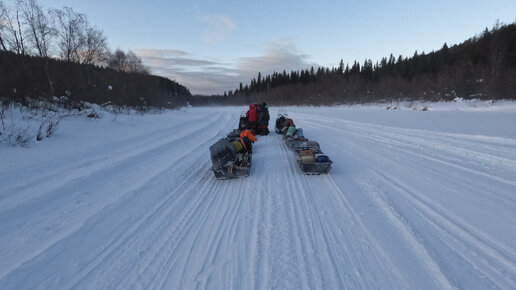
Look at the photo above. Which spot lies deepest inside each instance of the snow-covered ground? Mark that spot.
(415, 200)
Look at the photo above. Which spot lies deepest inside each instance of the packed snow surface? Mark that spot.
(415, 200)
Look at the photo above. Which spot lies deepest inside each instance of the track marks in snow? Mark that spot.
(423, 200)
(58, 173)
(66, 212)
(482, 155)
(149, 214)
(482, 253)
(315, 225)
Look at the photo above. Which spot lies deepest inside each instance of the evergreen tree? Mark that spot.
(341, 67)
(259, 82)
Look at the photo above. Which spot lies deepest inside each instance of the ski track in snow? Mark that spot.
(401, 209)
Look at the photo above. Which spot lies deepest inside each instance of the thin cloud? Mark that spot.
(199, 75)
(218, 26)
(142, 52)
(170, 57)
(211, 76)
(279, 55)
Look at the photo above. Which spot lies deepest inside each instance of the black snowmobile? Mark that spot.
(226, 161)
(282, 115)
(243, 123)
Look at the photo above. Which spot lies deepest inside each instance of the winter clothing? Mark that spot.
(247, 144)
(260, 117)
(248, 134)
(252, 115)
(263, 120)
(266, 117)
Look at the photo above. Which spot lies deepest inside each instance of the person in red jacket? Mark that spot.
(252, 116)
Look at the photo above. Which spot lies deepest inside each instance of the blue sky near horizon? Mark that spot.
(211, 45)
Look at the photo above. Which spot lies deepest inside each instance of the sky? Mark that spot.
(210, 46)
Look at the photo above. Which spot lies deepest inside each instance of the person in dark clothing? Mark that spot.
(263, 120)
(266, 117)
(247, 144)
(259, 110)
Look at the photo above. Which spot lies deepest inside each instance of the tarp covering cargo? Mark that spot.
(304, 144)
(222, 154)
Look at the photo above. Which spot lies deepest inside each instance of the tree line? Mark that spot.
(57, 52)
(483, 66)
(33, 77)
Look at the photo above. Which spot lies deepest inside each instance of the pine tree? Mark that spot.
(341, 67)
(259, 82)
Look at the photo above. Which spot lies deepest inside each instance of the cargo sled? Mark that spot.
(311, 162)
(309, 157)
(314, 168)
(226, 163)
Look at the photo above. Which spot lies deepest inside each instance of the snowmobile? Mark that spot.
(243, 123)
(282, 115)
(226, 162)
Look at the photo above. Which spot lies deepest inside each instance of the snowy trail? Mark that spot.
(435, 175)
(140, 209)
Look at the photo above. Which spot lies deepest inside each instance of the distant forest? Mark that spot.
(481, 67)
(24, 78)
(57, 53)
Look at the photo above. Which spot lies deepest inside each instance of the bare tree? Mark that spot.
(134, 63)
(71, 33)
(95, 47)
(3, 24)
(21, 41)
(39, 26)
(78, 41)
(118, 60)
(11, 28)
(127, 62)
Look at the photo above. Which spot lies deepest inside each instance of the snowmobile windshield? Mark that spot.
(282, 112)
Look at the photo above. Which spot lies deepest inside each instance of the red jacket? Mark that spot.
(252, 115)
